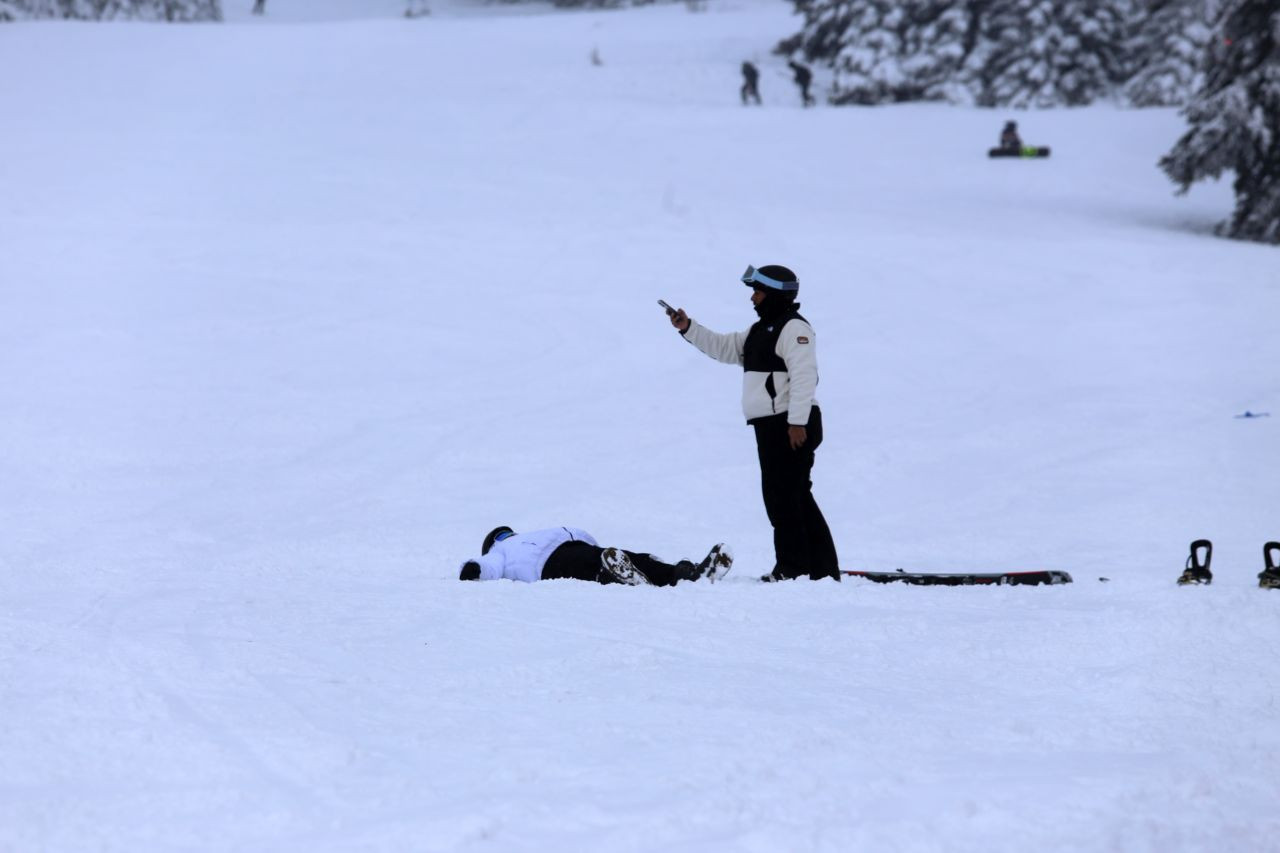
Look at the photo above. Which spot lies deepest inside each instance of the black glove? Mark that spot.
(470, 571)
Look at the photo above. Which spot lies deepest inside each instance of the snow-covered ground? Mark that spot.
(290, 316)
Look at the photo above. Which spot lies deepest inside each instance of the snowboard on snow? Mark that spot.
(1036, 578)
(1024, 151)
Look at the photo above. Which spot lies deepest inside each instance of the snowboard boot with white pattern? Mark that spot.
(616, 567)
(715, 565)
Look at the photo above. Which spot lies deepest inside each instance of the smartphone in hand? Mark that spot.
(671, 312)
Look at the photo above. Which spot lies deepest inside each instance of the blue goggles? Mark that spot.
(754, 278)
(506, 534)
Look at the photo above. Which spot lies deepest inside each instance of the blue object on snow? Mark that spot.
(1249, 414)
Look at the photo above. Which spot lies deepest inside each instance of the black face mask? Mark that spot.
(775, 304)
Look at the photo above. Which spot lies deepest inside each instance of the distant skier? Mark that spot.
(568, 552)
(803, 77)
(750, 81)
(1009, 139)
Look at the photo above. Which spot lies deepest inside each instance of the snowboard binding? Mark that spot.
(1269, 577)
(1197, 571)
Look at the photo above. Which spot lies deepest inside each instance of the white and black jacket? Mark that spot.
(522, 556)
(779, 362)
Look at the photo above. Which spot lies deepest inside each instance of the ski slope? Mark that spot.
(293, 311)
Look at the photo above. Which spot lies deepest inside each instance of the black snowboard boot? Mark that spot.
(616, 567)
(713, 566)
(1269, 577)
(1197, 571)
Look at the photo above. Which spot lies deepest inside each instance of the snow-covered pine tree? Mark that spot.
(98, 10)
(161, 10)
(1235, 119)
(882, 51)
(868, 62)
(597, 4)
(1168, 43)
(19, 10)
(942, 48)
(1046, 53)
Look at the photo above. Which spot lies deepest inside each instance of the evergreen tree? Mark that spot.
(99, 10)
(868, 60)
(1169, 41)
(994, 52)
(1053, 52)
(596, 4)
(881, 50)
(943, 48)
(1235, 119)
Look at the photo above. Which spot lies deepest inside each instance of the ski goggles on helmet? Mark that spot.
(506, 534)
(754, 278)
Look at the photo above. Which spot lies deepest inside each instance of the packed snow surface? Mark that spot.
(293, 311)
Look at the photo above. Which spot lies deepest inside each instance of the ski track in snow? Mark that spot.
(294, 310)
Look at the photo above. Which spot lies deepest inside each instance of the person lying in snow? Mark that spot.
(568, 552)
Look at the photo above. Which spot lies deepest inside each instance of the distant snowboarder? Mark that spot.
(1011, 145)
(750, 82)
(568, 552)
(1009, 139)
(803, 77)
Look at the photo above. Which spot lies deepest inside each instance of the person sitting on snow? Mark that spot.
(1009, 139)
(568, 552)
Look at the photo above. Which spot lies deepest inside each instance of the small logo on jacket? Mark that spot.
(802, 340)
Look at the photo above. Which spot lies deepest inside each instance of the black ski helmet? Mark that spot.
(497, 534)
(772, 277)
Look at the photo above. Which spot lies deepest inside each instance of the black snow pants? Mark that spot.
(801, 539)
(581, 561)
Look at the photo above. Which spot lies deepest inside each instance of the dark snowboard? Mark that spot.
(1025, 151)
(966, 579)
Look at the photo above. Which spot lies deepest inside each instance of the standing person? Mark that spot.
(803, 77)
(569, 552)
(780, 375)
(750, 80)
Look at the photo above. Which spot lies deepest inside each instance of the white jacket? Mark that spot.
(788, 387)
(522, 556)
